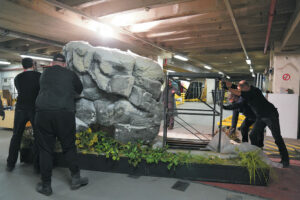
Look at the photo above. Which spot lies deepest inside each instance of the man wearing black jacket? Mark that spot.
(266, 115)
(241, 106)
(55, 118)
(27, 85)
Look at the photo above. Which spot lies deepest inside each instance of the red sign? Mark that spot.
(286, 77)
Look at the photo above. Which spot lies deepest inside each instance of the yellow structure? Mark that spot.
(227, 121)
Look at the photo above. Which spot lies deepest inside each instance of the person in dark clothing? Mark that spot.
(2, 113)
(235, 113)
(241, 106)
(172, 90)
(55, 118)
(266, 115)
(27, 85)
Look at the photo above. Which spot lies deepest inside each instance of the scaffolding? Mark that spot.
(210, 111)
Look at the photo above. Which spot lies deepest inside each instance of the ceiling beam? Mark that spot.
(28, 37)
(81, 3)
(293, 23)
(119, 6)
(230, 12)
(205, 8)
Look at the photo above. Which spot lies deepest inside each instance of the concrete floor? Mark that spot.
(20, 184)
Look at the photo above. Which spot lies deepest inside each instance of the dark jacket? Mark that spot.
(28, 86)
(258, 103)
(241, 106)
(59, 87)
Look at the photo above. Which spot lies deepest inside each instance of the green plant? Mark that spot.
(101, 144)
(253, 162)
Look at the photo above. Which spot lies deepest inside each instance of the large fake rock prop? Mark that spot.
(227, 147)
(121, 91)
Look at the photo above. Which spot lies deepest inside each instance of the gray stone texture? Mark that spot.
(121, 90)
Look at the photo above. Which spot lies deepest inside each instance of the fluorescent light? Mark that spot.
(248, 61)
(251, 70)
(228, 77)
(221, 73)
(179, 57)
(253, 75)
(207, 67)
(106, 31)
(36, 57)
(170, 71)
(4, 62)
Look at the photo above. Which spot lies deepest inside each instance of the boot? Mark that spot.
(78, 181)
(44, 188)
(285, 163)
(10, 168)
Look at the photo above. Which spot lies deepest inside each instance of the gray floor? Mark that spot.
(20, 184)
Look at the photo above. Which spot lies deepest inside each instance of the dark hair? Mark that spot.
(27, 63)
(244, 83)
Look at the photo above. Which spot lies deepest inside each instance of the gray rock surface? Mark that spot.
(80, 125)
(121, 90)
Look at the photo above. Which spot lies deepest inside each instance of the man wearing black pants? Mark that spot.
(241, 106)
(266, 115)
(55, 118)
(27, 85)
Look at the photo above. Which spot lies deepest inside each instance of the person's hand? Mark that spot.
(173, 91)
(228, 84)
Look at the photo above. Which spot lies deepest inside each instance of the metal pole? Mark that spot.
(166, 110)
(221, 118)
(214, 108)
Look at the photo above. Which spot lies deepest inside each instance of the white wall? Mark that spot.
(286, 64)
(210, 86)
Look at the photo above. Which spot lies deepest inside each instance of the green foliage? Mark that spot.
(252, 161)
(100, 144)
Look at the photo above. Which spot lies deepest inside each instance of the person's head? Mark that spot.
(27, 63)
(244, 86)
(59, 59)
(170, 83)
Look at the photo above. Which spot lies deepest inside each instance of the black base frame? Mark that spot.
(194, 172)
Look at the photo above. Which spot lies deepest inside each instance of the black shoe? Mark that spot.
(44, 189)
(78, 181)
(10, 168)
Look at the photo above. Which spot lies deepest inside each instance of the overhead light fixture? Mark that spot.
(170, 71)
(207, 67)
(4, 62)
(251, 70)
(106, 31)
(179, 57)
(221, 73)
(253, 75)
(248, 61)
(37, 57)
(228, 77)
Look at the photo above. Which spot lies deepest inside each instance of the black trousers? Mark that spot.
(51, 125)
(20, 121)
(245, 128)
(272, 122)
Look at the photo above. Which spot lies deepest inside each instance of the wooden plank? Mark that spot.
(117, 6)
(9, 119)
(30, 17)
